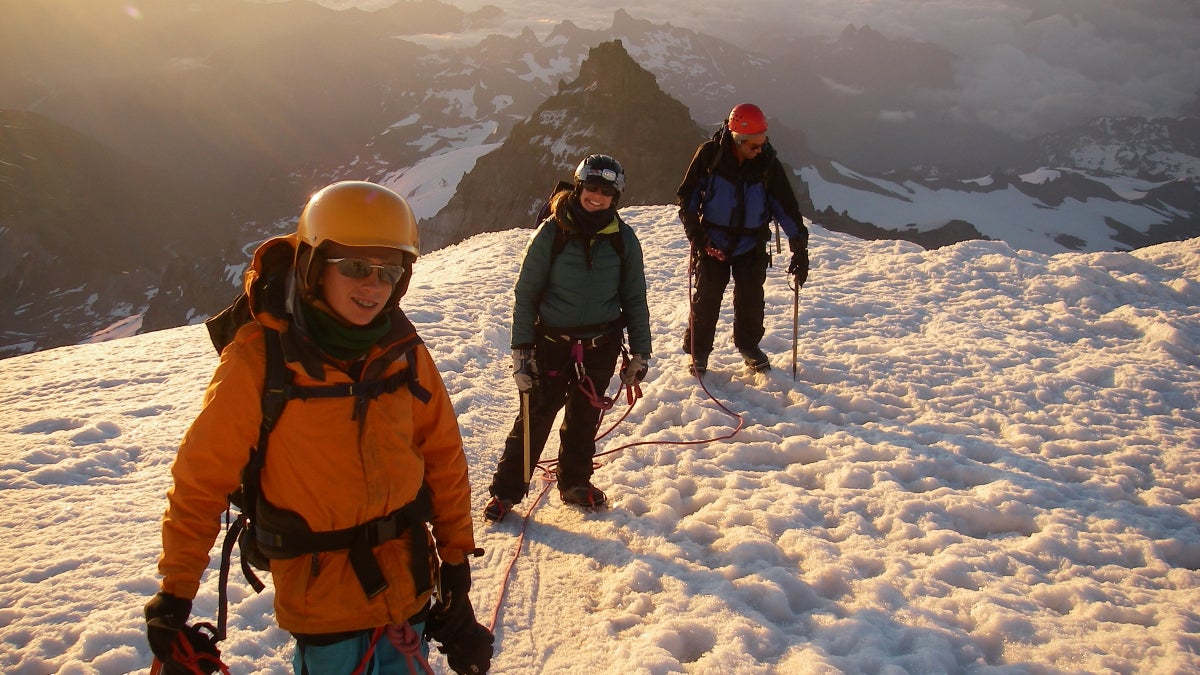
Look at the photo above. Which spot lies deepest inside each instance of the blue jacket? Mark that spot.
(734, 204)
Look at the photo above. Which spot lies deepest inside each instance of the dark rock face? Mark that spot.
(614, 107)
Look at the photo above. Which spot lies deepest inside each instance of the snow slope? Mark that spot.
(988, 463)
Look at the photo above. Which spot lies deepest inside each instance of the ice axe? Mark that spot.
(795, 322)
(525, 427)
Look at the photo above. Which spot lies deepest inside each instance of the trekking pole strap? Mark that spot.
(231, 537)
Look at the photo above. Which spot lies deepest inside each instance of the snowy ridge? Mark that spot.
(1153, 148)
(1008, 212)
(987, 464)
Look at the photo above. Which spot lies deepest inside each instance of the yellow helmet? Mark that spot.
(358, 213)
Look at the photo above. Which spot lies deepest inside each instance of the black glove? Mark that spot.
(166, 615)
(635, 370)
(799, 265)
(466, 644)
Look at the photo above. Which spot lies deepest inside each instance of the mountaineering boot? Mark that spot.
(756, 359)
(583, 495)
(699, 365)
(497, 508)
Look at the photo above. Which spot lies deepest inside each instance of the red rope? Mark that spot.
(184, 654)
(517, 553)
(366, 659)
(550, 476)
(406, 641)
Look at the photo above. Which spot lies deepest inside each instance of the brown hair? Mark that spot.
(558, 203)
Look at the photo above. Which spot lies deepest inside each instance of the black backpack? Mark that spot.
(544, 212)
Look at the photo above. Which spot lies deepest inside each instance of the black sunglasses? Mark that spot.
(755, 147)
(357, 268)
(602, 189)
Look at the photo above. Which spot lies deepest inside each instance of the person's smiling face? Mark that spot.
(595, 197)
(357, 288)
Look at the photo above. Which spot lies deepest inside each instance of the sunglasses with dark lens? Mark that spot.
(357, 268)
(602, 189)
(753, 147)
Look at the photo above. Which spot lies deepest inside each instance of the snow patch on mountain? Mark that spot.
(430, 183)
(1002, 212)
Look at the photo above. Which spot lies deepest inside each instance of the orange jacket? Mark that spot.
(333, 470)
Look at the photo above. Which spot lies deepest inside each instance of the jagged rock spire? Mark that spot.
(614, 107)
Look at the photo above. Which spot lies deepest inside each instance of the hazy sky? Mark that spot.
(1026, 65)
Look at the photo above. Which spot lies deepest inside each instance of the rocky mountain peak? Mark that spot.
(609, 70)
(614, 107)
(625, 23)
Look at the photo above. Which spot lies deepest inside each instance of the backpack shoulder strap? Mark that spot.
(420, 393)
(275, 385)
(275, 395)
(710, 167)
(561, 237)
(618, 240)
(719, 137)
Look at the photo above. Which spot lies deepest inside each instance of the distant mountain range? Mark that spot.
(1154, 150)
(134, 199)
(1044, 210)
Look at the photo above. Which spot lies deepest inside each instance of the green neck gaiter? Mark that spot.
(339, 340)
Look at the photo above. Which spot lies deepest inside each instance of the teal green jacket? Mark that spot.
(565, 294)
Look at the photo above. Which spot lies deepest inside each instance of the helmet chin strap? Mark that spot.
(402, 287)
(303, 277)
(292, 303)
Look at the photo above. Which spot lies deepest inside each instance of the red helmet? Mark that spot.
(748, 119)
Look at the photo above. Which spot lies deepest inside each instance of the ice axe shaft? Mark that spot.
(795, 325)
(525, 436)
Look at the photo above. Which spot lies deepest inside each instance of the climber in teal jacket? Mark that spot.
(582, 286)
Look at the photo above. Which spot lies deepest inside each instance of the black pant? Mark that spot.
(749, 272)
(558, 385)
